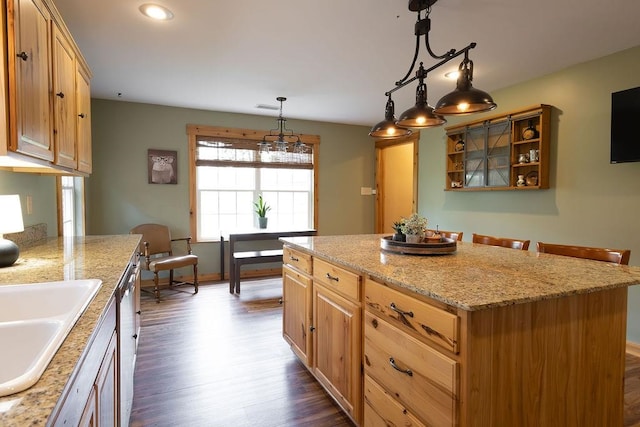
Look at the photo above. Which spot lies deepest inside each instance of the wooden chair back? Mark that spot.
(505, 242)
(617, 256)
(157, 236)
(454, 235)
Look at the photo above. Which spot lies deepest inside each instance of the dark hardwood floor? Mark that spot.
(215, 359)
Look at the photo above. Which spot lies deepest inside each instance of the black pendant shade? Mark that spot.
(420, 115)
(465, 99)
(387, 128)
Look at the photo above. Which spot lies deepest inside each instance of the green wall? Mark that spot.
(591, 202)
(119, 196)
(42, 189)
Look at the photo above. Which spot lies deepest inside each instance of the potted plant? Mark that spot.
(414, 228)
(261, 208)
(399, 235)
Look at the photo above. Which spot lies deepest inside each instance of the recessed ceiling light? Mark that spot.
(157, 12)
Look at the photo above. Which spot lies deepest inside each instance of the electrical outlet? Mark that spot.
(29, 204)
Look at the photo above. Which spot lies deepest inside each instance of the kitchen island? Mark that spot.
(92, 257)
(485, 336)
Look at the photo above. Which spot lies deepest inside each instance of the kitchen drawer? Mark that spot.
(337, 279)
(432, 323)
(297, 259)
(421, 378)
(382, 410)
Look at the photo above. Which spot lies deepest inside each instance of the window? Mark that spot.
(70, 206)
(230, 170)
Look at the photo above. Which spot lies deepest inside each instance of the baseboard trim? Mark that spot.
(633, 348)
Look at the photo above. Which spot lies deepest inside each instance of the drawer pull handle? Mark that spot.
(330, 277)
(393, 307)
(292, 258)
(392, 362)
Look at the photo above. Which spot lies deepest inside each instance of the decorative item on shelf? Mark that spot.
(534, 155)
(261, 208)
(460, 144)
(523, 158)
(413, 228)
(532, 179)
(456, 184)
(10, 222)
(520, 182)
(465, 99)
(530, 131)
(399, 235)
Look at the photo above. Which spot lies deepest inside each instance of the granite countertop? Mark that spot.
(91, 257)
(476, 276)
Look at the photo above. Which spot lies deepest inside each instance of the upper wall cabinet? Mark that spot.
(48, 91)
(506, 152)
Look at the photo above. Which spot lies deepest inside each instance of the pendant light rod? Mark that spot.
(422, 72)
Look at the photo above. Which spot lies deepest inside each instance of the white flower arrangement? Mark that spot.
(415, 225)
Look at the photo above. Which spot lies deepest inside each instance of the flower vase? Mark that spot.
(413, 238)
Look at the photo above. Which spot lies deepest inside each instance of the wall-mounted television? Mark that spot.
(625, 126)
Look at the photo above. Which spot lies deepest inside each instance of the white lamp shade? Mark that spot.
(10, 214)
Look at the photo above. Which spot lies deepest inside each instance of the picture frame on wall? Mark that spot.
(162, 166)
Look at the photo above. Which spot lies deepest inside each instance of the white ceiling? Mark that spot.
(332, 59)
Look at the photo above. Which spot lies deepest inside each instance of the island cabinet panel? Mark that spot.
(554, 362)
(296, 316)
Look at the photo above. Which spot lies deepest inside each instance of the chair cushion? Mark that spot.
(171, 262)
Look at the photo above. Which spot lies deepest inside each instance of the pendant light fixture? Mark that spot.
(388, 128)
(283, 137)
(463, 100)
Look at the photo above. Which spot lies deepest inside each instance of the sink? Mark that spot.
(35, 319)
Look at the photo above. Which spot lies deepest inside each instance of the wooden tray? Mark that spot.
(445, 246)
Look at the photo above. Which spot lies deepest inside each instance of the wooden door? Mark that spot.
(396, 181)
(83, 118)
(64, 101)
(337, 348)
(296, 314)
(30, 65)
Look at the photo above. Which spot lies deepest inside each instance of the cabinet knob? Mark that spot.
(312, 328)
(23, 56)
(138, 312)
(135, 336)
(60, 94)
(81, 115)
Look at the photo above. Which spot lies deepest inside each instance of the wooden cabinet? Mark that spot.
(30, 78)
(48, 92)
(64, 101)
(91, 398)
(297, 303)
(322, 321)
(83, 118)
(409, 349)
(506, 152)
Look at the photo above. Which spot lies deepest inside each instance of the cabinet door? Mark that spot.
(337, 348)
(296, 314)
(64, 101)
(106, 386)
(29, 24)
(83, 119)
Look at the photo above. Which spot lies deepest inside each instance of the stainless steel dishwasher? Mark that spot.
(128, 311)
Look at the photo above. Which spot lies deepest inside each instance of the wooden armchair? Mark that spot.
(617, 256)
(505, 242)
(157, 255)
(454, 235)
